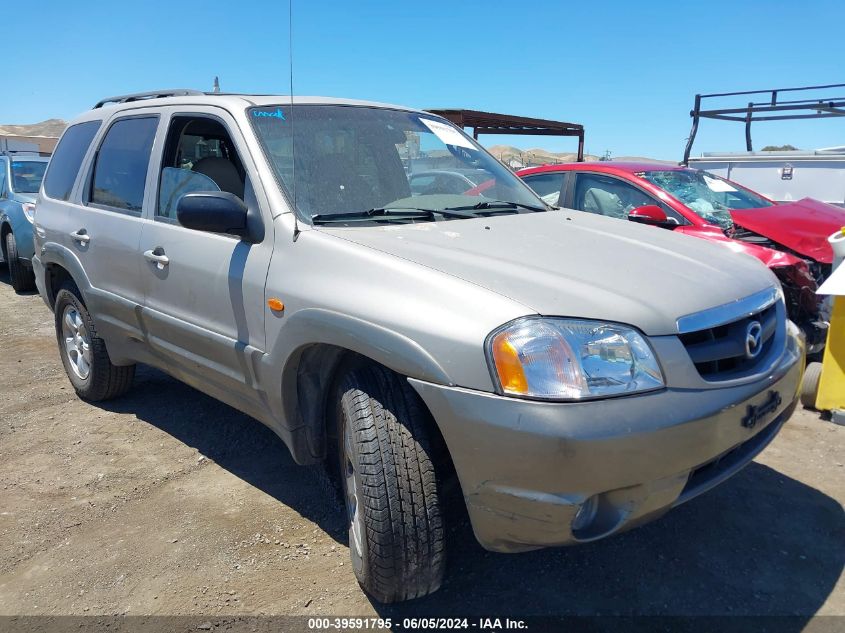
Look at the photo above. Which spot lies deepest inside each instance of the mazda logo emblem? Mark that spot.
(753, 339)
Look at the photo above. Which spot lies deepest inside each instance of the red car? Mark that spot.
(791, 239)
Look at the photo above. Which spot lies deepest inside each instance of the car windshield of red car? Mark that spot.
(708, 195)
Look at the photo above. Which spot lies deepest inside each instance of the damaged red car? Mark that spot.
(790, 238)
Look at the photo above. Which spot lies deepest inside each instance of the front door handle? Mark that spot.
(157, 257)
(81, 236)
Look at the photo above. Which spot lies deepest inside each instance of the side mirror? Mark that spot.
(653, 215)
(213, 211)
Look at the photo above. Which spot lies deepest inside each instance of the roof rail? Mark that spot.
(155, 94)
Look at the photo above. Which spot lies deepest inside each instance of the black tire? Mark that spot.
(810, 385)
(103, 379)
(402, 546)
(21, 277)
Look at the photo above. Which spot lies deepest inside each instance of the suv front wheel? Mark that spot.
(84, 354)
(396, 536)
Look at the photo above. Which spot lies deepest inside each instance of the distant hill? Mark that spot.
(535, 156)
(51, 128)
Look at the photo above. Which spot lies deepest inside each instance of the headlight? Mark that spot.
(29, 211)
(569, 359)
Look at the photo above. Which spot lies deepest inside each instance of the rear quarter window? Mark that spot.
(66, 160)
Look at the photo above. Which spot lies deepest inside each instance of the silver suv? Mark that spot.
(579, 376)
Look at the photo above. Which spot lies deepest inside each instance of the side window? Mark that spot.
(547, 186)
(120, 170)
(66, 160)
(608, 196)
(4, 193)
(199, 155)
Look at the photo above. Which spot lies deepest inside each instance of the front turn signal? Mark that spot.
(508, 367)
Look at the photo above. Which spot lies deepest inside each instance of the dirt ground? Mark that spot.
(168, 502)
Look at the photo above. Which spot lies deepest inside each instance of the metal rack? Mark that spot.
(772, 109)
(494, 123)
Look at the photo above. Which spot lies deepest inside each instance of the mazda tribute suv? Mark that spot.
(574, 375)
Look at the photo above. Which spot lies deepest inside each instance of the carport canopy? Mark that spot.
(495, 123)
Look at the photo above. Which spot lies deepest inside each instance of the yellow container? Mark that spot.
(831, 393)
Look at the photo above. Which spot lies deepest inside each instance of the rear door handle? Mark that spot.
(157, 257)
(81, 236)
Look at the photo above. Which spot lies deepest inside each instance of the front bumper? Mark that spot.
(526, 467)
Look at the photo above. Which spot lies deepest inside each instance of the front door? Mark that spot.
(204, 292)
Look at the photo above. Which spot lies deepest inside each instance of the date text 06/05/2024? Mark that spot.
(413, 624)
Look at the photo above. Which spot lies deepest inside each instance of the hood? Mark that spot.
(569, 263)
(769, 256)
(802, 226)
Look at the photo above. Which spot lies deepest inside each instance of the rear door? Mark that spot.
(103, 231)
(204, 292)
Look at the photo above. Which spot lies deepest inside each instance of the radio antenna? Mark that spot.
(290, 117)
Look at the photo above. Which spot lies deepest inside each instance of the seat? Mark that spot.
(222, 172)
(602, 202)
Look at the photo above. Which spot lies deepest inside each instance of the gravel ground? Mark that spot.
(168, 502)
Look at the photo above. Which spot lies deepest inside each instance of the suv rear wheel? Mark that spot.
(396, 536)
(22, 279)
(83, 353)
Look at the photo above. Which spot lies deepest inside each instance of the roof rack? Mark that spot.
(495, 123)
(155, 94)
(771, 110)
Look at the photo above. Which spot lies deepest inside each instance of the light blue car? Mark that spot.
(20, 180)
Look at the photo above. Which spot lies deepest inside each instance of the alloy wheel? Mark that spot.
(77, 342)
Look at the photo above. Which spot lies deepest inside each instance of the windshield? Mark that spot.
(353, 159)
(710, 196)
(27, 175)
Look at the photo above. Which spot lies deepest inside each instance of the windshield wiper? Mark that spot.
(493, 205)
(398, 213)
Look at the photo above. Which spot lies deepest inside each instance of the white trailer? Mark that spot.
(17, 145)
(783, 176)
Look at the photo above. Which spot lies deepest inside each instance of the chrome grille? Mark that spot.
(735, 339)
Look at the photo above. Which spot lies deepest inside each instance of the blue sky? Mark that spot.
(628, 71)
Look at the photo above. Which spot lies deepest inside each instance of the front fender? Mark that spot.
(299, 423)
(391, 349)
